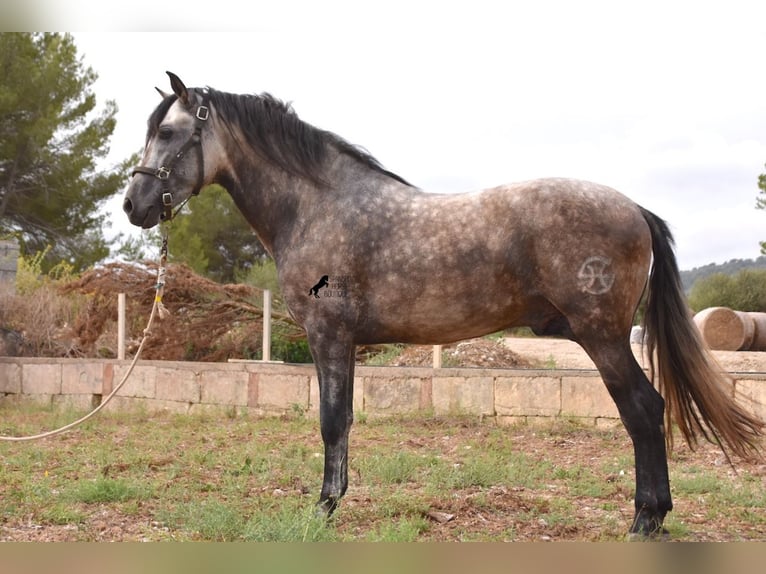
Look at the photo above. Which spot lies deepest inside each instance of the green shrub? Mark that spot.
(745, 291)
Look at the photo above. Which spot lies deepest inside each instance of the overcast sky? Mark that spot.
(664, 101)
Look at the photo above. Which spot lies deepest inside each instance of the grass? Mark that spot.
(106, 490)
(170, 477)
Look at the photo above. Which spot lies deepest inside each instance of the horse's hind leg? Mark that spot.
(641, 409)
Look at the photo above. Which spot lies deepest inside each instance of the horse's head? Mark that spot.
(173, 165)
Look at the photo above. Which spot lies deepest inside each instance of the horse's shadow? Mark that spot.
(321, 283)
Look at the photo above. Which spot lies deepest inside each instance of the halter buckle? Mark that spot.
(203, 113)
(167, 199)
(163, 173)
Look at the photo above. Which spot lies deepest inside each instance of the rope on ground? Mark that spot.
(157, 309)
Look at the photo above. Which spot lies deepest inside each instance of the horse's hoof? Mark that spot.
(660, 535)
(326, 507)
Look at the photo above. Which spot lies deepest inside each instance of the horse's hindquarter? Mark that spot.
(592, 250)
(438, 268)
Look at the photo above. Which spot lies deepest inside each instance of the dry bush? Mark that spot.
(43, 318)
(78, 317)
(207, 322)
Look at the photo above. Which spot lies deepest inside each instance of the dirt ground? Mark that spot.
(557, 508)
(514, 352)
(569, 355)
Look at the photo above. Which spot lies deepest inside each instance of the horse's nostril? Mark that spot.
(127, 206)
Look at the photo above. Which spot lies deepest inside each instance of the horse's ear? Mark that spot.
(161, 93)
(178, 88)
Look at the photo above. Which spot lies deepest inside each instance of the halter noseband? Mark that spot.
(163, 172)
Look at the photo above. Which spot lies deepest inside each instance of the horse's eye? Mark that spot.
(165, 133)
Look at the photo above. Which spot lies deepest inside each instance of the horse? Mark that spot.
(565, 257)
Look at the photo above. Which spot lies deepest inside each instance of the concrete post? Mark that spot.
(121, 326)
(266, 325)
(437, 356)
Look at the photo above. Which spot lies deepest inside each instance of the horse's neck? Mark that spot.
(278, 205)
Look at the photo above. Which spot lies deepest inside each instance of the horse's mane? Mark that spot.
(274, 131)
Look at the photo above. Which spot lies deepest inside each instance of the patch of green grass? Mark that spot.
(581, 481)
(62, 513)
(549, 364)
(395, 468)
(211, 520)
(106, 490)
(695, 483)
(747, 493)
(496, 336)
(677, 529)
(482, 471)
(218, 521)
(290, 523)
(402, 529)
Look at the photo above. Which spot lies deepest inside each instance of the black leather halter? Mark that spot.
(163, 172)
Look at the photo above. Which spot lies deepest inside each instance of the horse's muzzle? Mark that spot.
(145, 218)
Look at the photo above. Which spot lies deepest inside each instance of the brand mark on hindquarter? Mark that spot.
(596, 275)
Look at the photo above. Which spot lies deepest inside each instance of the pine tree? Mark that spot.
(50, 140)
(213, 238)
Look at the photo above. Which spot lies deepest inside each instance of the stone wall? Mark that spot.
(509, 396)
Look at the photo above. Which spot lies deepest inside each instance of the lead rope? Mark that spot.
(157, 309)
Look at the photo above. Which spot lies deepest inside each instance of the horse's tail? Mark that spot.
(698, 394)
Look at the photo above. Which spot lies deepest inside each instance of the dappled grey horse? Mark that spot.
(363, 257)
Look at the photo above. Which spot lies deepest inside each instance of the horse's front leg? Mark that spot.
(334, 359)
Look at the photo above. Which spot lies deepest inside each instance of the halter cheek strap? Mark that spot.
(163, 172)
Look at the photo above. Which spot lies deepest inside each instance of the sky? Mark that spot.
(664, 101)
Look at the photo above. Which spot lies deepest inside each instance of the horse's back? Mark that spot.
(438, 268)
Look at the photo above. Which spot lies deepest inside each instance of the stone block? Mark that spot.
(542, 422)
(10, 378)
(79, 401)
(283, 392)
(178, 385)
(528, 396)
(82, 378)
(169, 406)
(751, 394)
(141, 382)
(40, 400)
(218, 410)
(252, 389)
(224, 387)
(586, 397)
(358, 394)
(474, 395)
(41, 379)
(314, 394)
(121, 404)
(392, 396)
